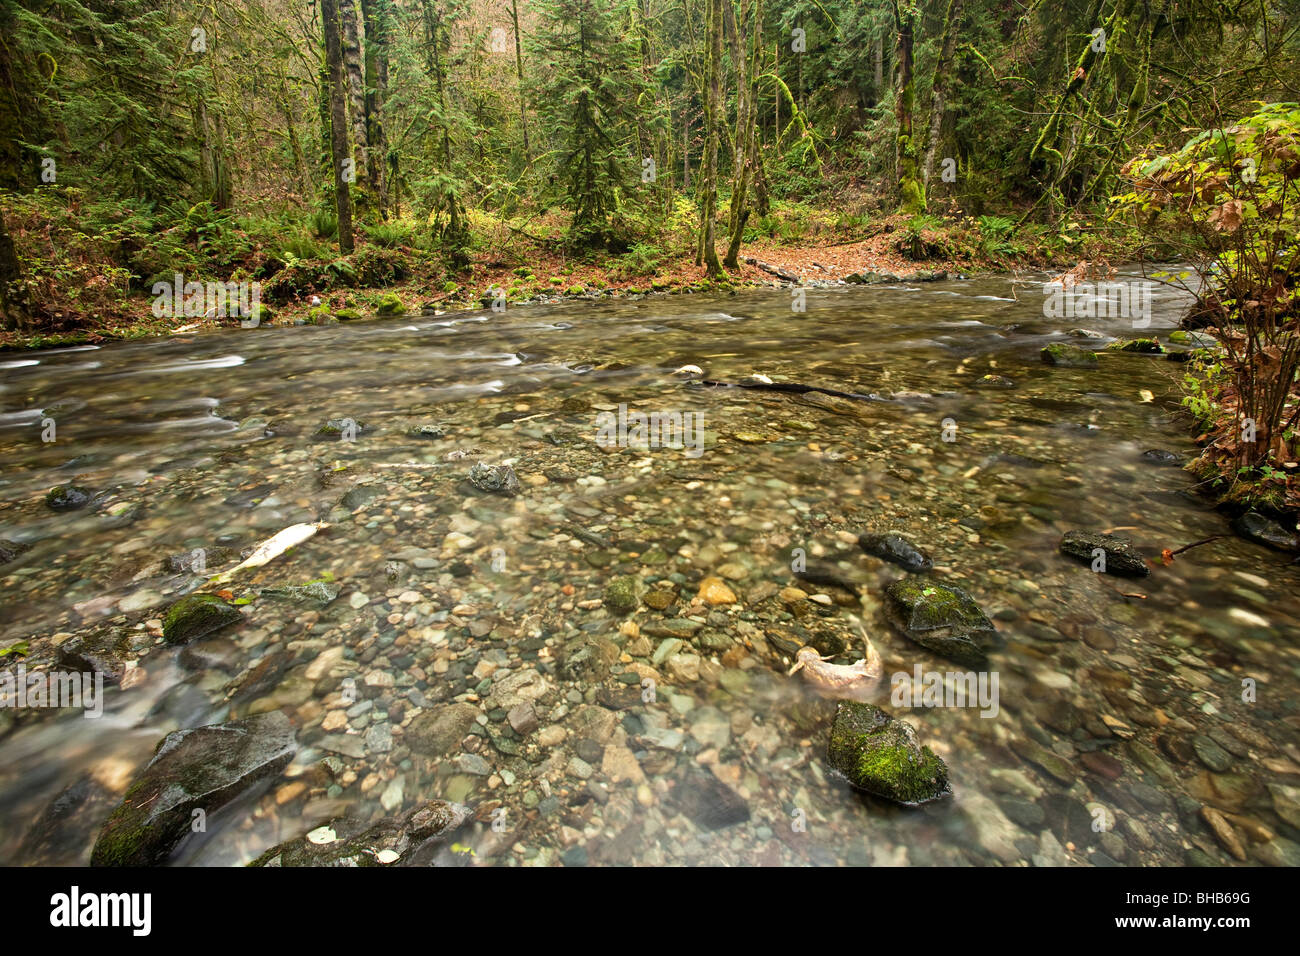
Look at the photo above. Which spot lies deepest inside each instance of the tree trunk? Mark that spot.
(906, 161)
(375, 13)
(519, 71)
(13, 302)
(939, 90)
(751, 13)
(338, 119)
(707, 254)
(356, 87)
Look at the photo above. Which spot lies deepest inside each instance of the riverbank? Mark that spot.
(92, 283)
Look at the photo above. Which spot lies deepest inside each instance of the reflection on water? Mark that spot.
(1115, 694)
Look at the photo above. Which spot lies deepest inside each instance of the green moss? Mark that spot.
(1068, 356)
(575, 290)
(621, 595)
(195, 615)
(881, 755)
(1135, 345)
(390, 304)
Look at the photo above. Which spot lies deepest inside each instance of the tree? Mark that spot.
(707, 251)
(587, 96)
(746, 140)
(342, 167)
(911, 190)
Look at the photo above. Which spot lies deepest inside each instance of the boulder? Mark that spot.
(1121, 557)
(1069, 356)
(412, 838)
(895, 549)
(882, 756)
(942, 619)
(200, 769)
(1255, 527)
(195, 615)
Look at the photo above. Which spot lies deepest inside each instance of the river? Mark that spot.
(1125, 705)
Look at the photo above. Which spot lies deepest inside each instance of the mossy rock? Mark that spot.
(259, 314)
(1147, 346)
(942, 619)
(623, 593)
(67, 498)
(882, 756)
(575, 290)
(1068, 356)
(658, 284)
(348, 314)
(196, 615)
(390, 304)
(556, 280)
(339, 427)
(1199, 339)
(204, 768)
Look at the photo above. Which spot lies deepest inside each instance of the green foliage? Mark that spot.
(324, 224)
(390, 235)
(1237, 186)
(588, 92)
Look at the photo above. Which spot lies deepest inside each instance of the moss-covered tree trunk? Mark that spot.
(519, 73)
(911, 191)
(338, 120)
(707, 253)
(939, 90)
(355, 85)
(746, 140)
(376, 14)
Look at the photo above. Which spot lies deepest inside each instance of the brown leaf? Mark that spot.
(1227, 218)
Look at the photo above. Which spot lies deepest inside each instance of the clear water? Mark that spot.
(210, 442)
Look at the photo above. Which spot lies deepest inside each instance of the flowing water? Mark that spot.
(1120, 709)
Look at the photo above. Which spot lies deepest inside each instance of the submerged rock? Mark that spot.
(409, 839)
(195, 615)
(319, 593)
(1069, 356)
(9, 550)
(942, 619)
(104, 651)
(882, 756)
(426, 431)
(896, 549)
(1159, 456)
(709, 802)
(623, 593)
(494, 479)
(994, 381)
(1121, 557)
(200, 769)
(1255, 527)
(1149, 346)
(67, 498)
(344, 428)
